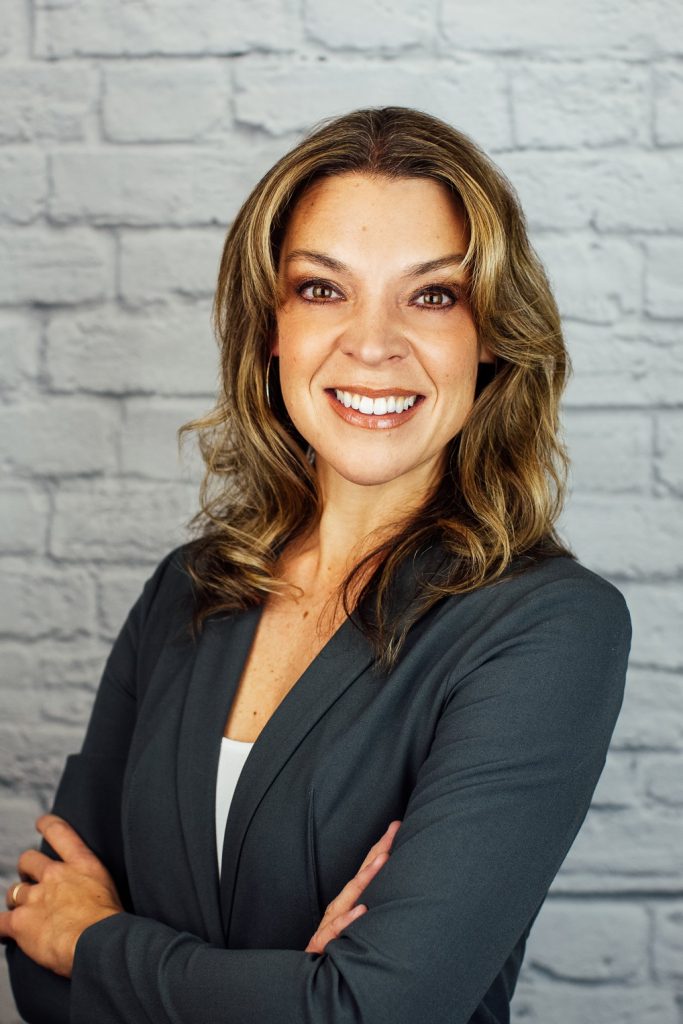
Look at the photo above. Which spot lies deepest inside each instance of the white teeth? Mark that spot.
(376, 406)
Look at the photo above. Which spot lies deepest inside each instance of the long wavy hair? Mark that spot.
(494, 509)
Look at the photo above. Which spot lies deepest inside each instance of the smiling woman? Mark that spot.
(376, 632)
(384, 253)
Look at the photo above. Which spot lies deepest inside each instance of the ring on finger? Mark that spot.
(13, 893)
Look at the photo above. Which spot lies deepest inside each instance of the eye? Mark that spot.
(316, 284)
(434, 291)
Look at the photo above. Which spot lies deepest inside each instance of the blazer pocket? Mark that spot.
(315, 902)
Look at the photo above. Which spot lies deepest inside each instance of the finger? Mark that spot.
(17, 894)
(64, 839)
(382, 844)
(327, 932)
(348, 896)
(376, 858)
(371, 865)
(32, 863)
(7, 924)
(376, 848)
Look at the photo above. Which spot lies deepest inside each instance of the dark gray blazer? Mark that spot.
(487, 741)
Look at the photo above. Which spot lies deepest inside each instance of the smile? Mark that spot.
(375, 414)
(375, 406)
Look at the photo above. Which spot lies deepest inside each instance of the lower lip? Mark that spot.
(372, 422)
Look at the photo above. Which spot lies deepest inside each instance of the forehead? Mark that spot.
(409, 215)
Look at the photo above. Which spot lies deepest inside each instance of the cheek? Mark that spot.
(298, 339)
(303, 352)
(458, 374)
(297, 368)
(294, 369)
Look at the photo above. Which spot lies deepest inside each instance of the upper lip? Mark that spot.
(358, 389)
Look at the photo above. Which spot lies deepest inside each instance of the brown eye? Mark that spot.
(432, 294)
(317, 287)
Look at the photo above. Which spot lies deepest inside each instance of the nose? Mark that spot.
(374, 334)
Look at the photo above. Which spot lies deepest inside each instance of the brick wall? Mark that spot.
(129, 135)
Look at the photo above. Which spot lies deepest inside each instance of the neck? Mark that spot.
(355, 519)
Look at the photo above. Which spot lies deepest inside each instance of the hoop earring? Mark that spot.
(267, 375)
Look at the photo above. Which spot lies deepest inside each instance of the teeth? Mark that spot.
(376, 406)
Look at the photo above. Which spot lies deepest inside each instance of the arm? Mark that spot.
(90, 786)
(517, 753)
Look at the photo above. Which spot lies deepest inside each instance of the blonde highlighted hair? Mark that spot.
(495, 508)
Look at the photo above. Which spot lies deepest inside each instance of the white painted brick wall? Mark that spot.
(129, 136)
(197, 91)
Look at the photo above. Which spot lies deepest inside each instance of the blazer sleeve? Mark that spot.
(518, 749)
(89, 787)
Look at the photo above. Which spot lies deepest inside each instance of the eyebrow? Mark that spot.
(415, 270)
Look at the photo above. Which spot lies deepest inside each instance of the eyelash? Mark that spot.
(453, 294)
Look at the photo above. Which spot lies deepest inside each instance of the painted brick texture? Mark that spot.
(129, 136)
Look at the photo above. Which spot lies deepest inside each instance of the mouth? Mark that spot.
(387, 410)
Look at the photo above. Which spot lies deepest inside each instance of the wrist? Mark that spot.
(74, 939)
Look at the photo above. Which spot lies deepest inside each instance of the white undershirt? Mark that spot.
(230, 763)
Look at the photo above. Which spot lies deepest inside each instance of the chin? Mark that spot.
(361, 471)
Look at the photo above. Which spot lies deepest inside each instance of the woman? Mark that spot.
(377, 610)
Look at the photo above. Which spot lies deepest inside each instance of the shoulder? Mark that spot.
(547, 645)
(167, 595)
(559, 587)
(544, 617)
(170, 573)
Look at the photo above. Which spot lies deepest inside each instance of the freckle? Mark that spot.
(305, 614)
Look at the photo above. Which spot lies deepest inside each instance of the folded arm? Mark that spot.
(93, 788)
(518, 750)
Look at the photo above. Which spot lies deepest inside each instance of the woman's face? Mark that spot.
(359, 315)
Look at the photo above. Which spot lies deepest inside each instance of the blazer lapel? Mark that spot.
(345, 656)
(220, 654)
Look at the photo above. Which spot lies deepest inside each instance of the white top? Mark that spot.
(230, 763)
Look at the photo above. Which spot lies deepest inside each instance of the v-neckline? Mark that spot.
(218, 664)
(258, 613)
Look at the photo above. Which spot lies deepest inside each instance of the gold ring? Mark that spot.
(12, 902)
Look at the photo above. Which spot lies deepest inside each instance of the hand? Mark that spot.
(341, 911)
(67, 897)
